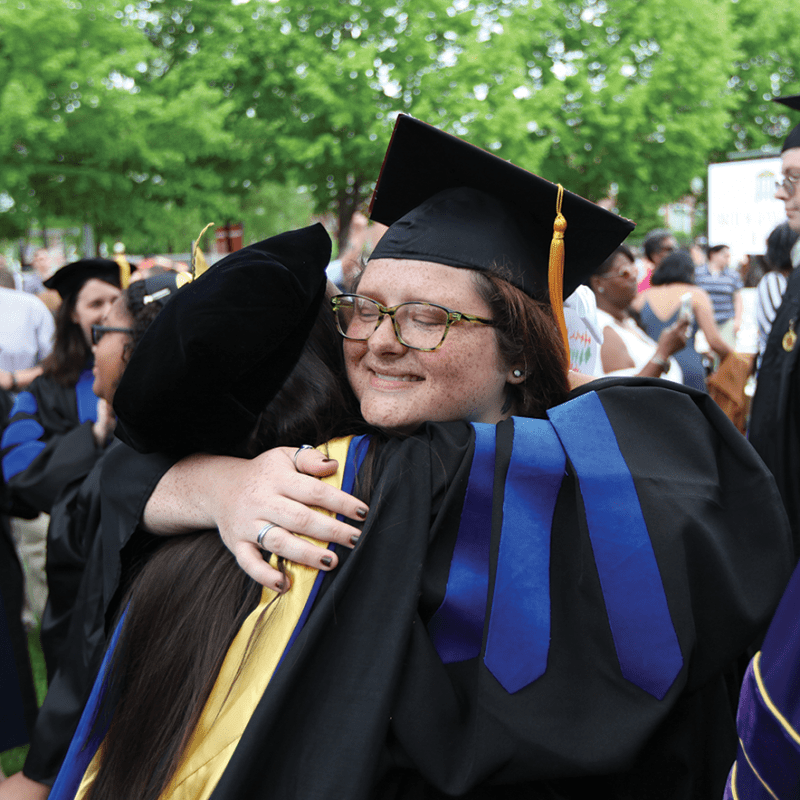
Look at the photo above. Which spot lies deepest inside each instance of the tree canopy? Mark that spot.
(148, 118)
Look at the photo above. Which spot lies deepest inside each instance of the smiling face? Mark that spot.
(110, 356)
(92, 304)
(790, 166)
(400, 388)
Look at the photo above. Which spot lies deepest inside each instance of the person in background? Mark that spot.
(626, 348)
(658, 244)
(58, 427)
(660, 306)
(26, 335)
(772, 286)
(768, 760)
(722, 285)
(73, 531)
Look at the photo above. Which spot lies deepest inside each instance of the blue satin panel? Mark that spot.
(25, 403)
(355, 458)
(456, 628)
(519, 626)
(89, 733)
(20, 457)
(22, 430)
(646, 643)
(769, 748)
(87, 399)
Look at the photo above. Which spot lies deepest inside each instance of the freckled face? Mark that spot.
(400, 388)
(93, 302)
(790, 165)
(109, 354)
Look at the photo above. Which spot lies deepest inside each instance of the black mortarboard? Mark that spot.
(452, 203)
(70, 278)
(222, 347)
(156, 289)
(793, 102)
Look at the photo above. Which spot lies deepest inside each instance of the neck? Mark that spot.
(603, 304)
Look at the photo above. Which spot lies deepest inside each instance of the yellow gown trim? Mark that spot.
(232, 702)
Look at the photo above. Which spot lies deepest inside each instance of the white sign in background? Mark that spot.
(742, 209)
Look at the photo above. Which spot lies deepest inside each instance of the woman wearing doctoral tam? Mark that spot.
(551, 589)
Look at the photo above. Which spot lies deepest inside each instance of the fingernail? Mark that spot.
(326, 460)
(362, 512)
(326, 560)
(354, 539)
(280, 586)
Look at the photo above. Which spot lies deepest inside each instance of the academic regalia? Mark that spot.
(437, 661)
(775, 418)
(101, 585)
(17, 693)
(48, 448)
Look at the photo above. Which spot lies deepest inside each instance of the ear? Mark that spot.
(594, 282)
(516, 374)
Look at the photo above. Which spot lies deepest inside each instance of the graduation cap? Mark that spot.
(156, 289)
(222, 347)
(452, 203)
(793, 102)
(69, 280)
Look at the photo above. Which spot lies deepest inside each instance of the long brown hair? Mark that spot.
(71, 352)
(191, 598)
(528, 335)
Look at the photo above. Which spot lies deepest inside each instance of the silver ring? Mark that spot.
(263, 532)
(302, 447)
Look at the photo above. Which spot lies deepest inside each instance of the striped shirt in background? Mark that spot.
(721, 287)
(769, 292)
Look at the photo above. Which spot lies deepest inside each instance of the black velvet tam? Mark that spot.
(223, 346)
(70, 278)
(449, 202)
(793, 102)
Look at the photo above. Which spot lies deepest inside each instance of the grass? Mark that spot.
(12, 760)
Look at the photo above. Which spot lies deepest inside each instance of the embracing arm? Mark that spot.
(241, 496)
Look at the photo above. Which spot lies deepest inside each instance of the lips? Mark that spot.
(398, 378)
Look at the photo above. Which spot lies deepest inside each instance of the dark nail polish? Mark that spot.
(362, 512)
(326, 460)
(354, 539)
(326, 560)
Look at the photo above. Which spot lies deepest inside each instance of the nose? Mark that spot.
(781, 193)
(383, 339)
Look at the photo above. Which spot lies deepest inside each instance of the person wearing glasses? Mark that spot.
(673, 297)
(535, 604)
(74, 522)
(768, 759)
(626, 348)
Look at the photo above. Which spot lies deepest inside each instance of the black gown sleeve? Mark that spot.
(127, 480)
(45, 446)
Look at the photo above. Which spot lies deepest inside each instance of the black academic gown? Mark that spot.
(17, 693)
(385, 694)
(97, 565)
(775, 418)
(373, 701)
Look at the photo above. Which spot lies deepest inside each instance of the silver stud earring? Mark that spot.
(600, 289)
(517, 373)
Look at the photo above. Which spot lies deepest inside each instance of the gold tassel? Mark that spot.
(555, 270)
(199, 265)
(124, 270)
